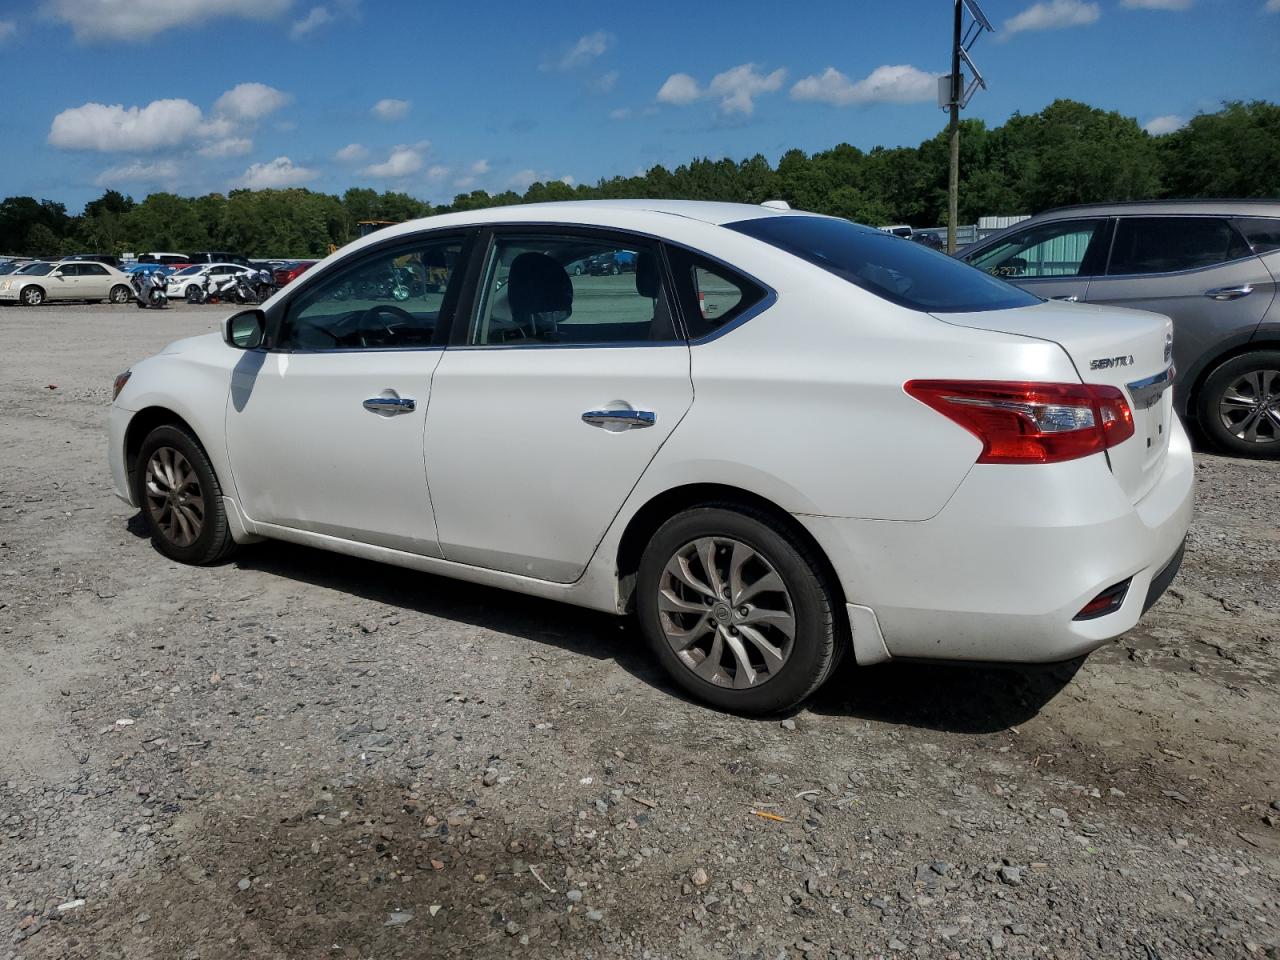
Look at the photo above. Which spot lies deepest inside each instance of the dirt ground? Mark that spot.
(301, 755)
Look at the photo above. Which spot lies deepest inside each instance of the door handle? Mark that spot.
(1071, 299)
(390, 406)
(626, 418)
(1229, 293)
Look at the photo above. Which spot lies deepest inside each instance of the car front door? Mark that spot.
(325, 426)
(552, 400)
(64, 282)
(1054, 260)
(1197, 270)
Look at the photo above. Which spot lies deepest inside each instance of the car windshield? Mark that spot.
(38, 269)
(189, 271)
(908, 274)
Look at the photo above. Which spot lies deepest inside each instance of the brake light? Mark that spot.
(1021, 422)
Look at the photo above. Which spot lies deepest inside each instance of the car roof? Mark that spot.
(1238, 208)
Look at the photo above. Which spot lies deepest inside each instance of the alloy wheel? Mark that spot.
(1250, 407)
(174, 498)
(726, 613)
(33, 296)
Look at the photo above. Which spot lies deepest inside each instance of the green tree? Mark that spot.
(1232, 153)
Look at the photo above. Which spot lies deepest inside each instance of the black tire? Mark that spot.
(213, 542)
(120, 294)
(32, 296)
(819, 637)
(194, 294)
(1265, 364)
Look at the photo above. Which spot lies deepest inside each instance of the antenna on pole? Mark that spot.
(954, 95)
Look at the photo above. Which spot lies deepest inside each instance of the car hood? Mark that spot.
(188, 344)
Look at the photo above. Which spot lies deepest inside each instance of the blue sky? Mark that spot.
(435, 99)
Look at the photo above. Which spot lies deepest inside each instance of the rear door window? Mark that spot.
(908, 274)
(1145, 245)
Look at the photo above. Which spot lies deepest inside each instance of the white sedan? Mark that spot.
(181, 283)
(38, 282)
(782, 439)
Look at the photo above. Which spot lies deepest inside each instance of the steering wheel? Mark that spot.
(367, 318)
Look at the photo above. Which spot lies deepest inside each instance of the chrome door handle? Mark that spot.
(1071, 299)
(390, 406)
(1229, 293)
(627, 418)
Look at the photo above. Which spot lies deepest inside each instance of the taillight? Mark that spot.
(1020, 422)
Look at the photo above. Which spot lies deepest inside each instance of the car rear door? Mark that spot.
(1055, 260)
(95, 281)
(1198, 270)
(552, 400)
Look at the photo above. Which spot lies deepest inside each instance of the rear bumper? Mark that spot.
(1001, 572)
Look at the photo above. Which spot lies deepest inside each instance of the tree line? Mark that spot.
(1067, 153)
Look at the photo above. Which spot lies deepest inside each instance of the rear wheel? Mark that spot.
(1239, 405)
(32, 296)
(181, 498)
(194, 294)
(120, 293)
(738, 609)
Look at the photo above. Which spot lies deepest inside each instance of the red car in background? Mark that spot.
(292, 271)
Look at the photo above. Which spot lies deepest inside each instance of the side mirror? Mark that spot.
(245, 330)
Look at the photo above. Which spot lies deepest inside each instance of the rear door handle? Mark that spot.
(1229, 293)
(1073, 298)
(390, 406)
(626, 418)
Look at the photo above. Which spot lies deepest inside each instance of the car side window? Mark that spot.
(711, 295)
(1057, 249)
(93, 270)
(1169, 244)
(571, 289)
(396, 298)
(1262, 233)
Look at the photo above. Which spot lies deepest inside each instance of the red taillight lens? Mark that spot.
(1021, 422)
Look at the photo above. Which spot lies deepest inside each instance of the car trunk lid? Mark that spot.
(1128, 349)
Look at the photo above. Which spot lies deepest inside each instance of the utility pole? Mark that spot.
(954, 95)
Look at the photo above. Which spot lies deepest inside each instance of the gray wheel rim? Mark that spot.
(1250, 407)
(174, 498)
(726, 613)
(32, 296)
(119, 295)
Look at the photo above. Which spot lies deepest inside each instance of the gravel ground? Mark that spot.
(302, 755)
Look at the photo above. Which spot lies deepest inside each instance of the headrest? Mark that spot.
(537, 284)
(648, 277)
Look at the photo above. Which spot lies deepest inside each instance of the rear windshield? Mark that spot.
(908, 274)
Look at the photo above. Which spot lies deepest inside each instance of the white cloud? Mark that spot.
(520, 180)
(604, 83)
(738, 87)
(679, 89)
(315, 18)
(229, 147)
(351, 153)
(139, 171)
(1168, 123)
(95, 21)
(567, 180)
(250, 101)
(475, 170)
(621, 113)
(479, 168)
(1157, 4)
(437, 172)
(7, 29)
(390, 109)
(96, 126)
(1052, 15)
(280, 172)
(1273, 6)
(403, 161)
(900, 83)
(588, 48)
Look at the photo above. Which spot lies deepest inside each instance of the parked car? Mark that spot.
(611, 264)
(109, 259)
(149, 268)
(866, 447)
(12, 266)
(44, 280)
(218, 256)
(1211, 265)
(183, 281)
(289, 272)
(176, 260)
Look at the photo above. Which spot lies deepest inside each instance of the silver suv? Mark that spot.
(1211, 265)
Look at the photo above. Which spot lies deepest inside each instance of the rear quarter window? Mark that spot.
(908, 274)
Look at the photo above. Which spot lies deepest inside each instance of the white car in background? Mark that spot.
(182, 281)
(41, 281)
(784, 437)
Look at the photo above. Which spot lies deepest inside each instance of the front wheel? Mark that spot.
(181, 498)
(1239, 405)
(738, 609)
(195, 294)
(120, 294)
(32, 296)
